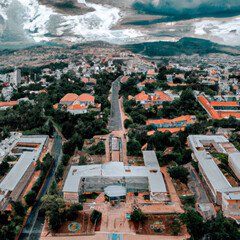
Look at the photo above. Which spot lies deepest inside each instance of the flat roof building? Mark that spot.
(29, 149)
(234, 163)
(97, 177)
(221, 190)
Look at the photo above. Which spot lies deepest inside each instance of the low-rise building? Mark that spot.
(142, 84)
(75, 104)
(171, 125)
(220, 109)
(218, 186)
(28, 150)
(150, 99)
(115, 177)
(6, 105)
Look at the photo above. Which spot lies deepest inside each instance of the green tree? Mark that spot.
(194, 223)
(53, 206)
(95, 216)
(176, 227)
(18, 209)
(127, 123)
(53, 190)
(222, 228)
(180, 173)
(133, 148)
(137, 215)
(30, 198)
(72, 212)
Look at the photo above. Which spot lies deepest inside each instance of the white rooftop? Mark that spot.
(16, 173)
(38, 139)
(197, 140)
(235, 157)
(212, 171)
(116, 169)
(150, 159)
(205, 160)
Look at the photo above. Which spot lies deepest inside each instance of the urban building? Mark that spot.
(220, 108)
(218, 186)
(28, 150)
(154, 99)
(171, 125)
(75, 104)
(116, 180)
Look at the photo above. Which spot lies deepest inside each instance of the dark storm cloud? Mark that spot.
(189, 7)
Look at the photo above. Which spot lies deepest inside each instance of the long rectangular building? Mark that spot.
(28, 149)
(221, 190)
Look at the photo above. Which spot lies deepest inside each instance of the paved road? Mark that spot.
(34, 225)
(197, 188)
(115, 122)
(195, 185)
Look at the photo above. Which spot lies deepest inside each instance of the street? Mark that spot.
(115, 122)
(33, 227)
(201, 197)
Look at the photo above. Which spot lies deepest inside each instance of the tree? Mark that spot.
(4, 167)
(68, 130)
(95, 216)
(53, 206)
(50, 202)
(176, 227)
(30, 198)
(127, 123)
(18, 208)
(59, 172)
(53, 190)
(133, 148)
(54, 220)
(72, 212)
(98, 149)
(222, 228)
(137, 216)
(65, 159)
(194, 223)
(179, 173)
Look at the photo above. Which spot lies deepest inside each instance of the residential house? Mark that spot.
(150, 99)
(77, 104)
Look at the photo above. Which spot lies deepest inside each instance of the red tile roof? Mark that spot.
(188, 118)
(142, 96)
(76, 107)
(146, 81)
(55, 106)
(223, 104)
(163, 96)
(227, 114)
(151, 72)
(89, 80)
(205, 103)
(70, 97)
(8, 104)
(86, 98)
(124, 79)
(163, 130)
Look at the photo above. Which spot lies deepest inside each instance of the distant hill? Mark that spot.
(72, 7)
(186, 46)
